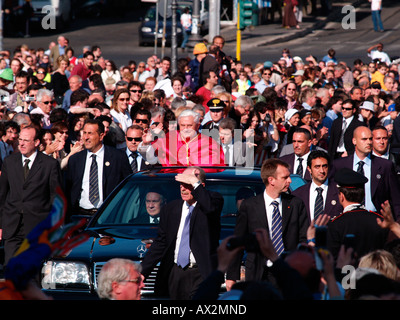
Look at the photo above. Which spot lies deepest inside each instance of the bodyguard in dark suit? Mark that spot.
(320, 195)
(94, 173)
(298, 160)
(188, 237)
(382, 183)
(27, 188)
(283, 215)
(133, 137)
(340, 140)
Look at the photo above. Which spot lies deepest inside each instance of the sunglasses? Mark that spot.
(135, 91)
(347, 109)
(136, 139)
(267, 74)
(47, 102)
(123, 99)
(145, 121)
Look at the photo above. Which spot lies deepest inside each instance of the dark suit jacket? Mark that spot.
(332, 206)
(362, 223)
(290, 158)
(32, 198)
(336, 131)
(115, 169)
(205, 228)
(253, 215)
(384, 184)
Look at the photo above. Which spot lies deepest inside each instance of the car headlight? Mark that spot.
(60, 274)
(146, 29)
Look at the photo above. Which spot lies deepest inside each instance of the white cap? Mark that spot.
(368, 105)
(290, 113)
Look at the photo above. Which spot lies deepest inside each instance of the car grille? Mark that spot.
(148, 284)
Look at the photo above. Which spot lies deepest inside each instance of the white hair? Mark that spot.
(44, 92)
(189, 113)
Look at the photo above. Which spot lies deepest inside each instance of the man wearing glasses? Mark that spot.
(44, 102)
(133, 138)
(135, 89)
(28, 185)
(120, 279)
(341, 139)
(142, 118)
(266, 81)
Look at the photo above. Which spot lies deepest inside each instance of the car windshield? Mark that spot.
(129, 204)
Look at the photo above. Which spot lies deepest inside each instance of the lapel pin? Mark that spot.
(107, 164)
(333, 202)
(378, 176)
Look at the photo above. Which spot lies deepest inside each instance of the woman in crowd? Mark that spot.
(59, 80)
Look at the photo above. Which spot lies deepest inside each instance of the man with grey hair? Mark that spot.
(120, 279)
(184, 147)
(22, 119)
(177, 102)
(243, 104)
(44, 102)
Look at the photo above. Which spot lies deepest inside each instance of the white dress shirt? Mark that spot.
(84, 202)
(304, 163)
(138, 158)
(185, 212)
(367, 172)
(270, 210)
(31, 158)
(348, 121)
(314, 194)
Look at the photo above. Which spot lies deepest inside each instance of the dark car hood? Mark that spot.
(130, 242)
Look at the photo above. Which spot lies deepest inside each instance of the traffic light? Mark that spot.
(245, 13)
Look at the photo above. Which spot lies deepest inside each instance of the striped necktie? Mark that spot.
(319, 203)
(360, 168)
(277, 229)
(94, 182)
(134, 166)
(299, 170)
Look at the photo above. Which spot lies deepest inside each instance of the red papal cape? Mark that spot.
(201, 150)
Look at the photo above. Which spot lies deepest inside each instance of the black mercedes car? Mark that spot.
(117, 230)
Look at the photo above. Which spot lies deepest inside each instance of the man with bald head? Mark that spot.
(382, 184)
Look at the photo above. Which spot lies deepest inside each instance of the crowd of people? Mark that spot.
(77, 120)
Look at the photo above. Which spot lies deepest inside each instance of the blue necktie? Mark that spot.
(184, 247)
(277, 229)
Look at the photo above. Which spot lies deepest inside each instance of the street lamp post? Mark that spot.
(174, 40)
